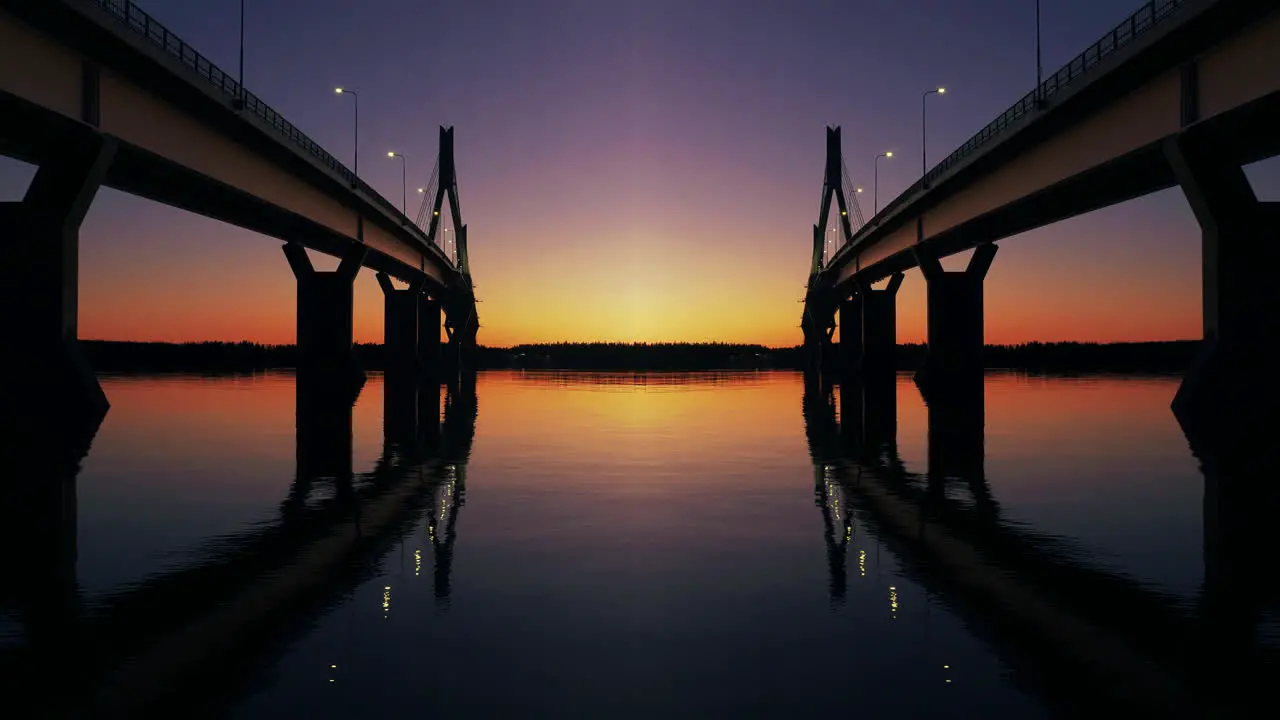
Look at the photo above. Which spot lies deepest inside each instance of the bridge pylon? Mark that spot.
(462, 321)
(818, 321)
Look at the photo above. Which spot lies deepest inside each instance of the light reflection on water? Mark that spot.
(630, 544)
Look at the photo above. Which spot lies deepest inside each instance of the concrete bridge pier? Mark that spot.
(850, 349)
(462, 326)
(880, 327)
(429, 351)
(399, 325)
(326, 316)
(818, 326)
(48, 377)
(955, 322)
(1235, 366)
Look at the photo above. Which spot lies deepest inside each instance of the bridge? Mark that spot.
(98, 93)
(1181, 93)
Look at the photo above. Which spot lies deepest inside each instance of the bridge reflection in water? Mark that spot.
(1084, 638)
(197, 629)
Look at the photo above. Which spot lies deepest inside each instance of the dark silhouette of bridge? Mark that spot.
(99, 93)
(1084, 637)
(154, 644)
(1181, 93)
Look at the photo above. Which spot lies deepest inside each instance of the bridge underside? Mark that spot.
(1243, 136)
(36, 135)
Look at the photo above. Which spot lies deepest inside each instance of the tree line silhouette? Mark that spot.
(116, 356)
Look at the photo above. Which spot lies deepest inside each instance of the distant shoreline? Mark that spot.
(1148, 357)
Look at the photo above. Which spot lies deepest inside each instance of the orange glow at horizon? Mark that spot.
(638, 283)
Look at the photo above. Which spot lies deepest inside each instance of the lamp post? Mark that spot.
(875, 189)
(355, 144)
(1039, 95)
(240, 91)
(924, 165)
(403, 175)
(242, 49)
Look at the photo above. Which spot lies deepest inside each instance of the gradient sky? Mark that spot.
(640, 170)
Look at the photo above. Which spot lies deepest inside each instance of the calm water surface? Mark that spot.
(602, 545)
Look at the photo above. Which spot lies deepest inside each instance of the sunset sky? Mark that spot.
(639, 170)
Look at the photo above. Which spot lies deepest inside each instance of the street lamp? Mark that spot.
(924, 167)
(875, 190)
(1039, 96)
(240, 94)
(403, 174)
(355, 144)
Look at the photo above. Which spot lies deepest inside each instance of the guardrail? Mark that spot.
(1144, 19)
(140, 23)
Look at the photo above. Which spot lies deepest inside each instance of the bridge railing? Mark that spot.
(138, 21)
(1145, 18)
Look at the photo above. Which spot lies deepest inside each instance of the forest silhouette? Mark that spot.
(1160, 357)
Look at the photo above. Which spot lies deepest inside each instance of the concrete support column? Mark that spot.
(818, 325)
(429, 354)
(47, 374)
(325, 314)
(851, 337)
(462, 326)
(1235, 364)
(955, 323)
(399, 325)
(880, 327)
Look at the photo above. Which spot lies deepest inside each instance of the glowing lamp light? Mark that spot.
(942, 91)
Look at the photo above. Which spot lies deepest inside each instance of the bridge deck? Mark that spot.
(1096, 138)
(189, 135)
